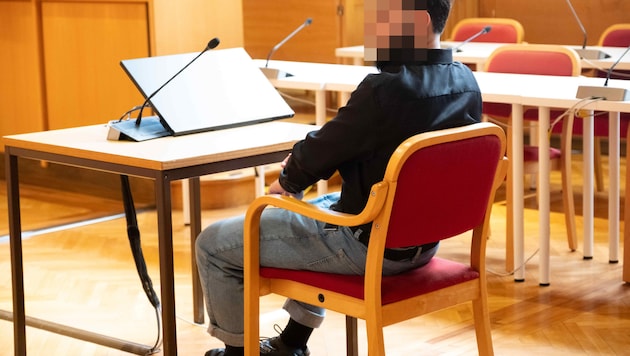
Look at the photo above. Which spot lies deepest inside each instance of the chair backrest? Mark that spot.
(534, 59)
(617, 35)
(440, 184)
(504, 30)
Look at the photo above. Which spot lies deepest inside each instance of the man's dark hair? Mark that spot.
(439, 10)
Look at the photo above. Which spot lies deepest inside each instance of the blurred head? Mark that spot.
(402, 30)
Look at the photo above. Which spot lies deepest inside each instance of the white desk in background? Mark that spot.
(518, 90)
(547, 92)
(476, 53)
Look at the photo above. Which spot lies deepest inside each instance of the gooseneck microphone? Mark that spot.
(605, 92)
(482, 32)
(583, 52)
(212, 44)
(281, 43)
(610, 70)
(577, 19)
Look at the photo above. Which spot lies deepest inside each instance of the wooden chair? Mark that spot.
(543, 60)
(504, 30)
(437, 185)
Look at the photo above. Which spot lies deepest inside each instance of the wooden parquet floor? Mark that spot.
(85, 277)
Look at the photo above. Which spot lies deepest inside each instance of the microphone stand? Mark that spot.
(584, 52)
(271, 73)
(152, 127)
(482, 32)
(212, 44)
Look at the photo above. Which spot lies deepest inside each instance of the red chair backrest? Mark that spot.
(443, 191)
(531, 62)
(617, 38)
(500, 33)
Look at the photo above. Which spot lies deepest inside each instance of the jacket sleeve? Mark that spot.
(341, 139)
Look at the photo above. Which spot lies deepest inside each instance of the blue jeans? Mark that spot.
(287, 240)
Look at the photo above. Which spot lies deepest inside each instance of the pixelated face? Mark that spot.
(396, 30)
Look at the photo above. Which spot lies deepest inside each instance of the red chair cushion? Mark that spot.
(437, 274)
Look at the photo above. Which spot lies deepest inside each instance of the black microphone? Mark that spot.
(212, 44)
(605, 92)
(583, 52)
(482, 32)
(276, 47)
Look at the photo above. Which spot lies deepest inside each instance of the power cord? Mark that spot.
(505, 274)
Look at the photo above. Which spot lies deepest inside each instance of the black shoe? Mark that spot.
(215, 352)
(275, 347)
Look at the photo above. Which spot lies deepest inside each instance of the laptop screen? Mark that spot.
(221, 89)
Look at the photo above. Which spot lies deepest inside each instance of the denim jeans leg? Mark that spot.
(287, 240)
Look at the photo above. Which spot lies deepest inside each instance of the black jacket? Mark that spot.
(385, 109)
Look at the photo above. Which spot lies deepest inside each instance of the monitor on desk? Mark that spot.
(221, 89)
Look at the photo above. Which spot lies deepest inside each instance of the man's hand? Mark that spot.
(276, 188)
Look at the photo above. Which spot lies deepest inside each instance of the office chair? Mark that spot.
(542, 60)
(437, 185)
(504, 30)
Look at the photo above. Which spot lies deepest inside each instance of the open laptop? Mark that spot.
(221, 89)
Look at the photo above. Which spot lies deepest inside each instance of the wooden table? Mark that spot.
(162, 160)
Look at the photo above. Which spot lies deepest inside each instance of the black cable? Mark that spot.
(134, 241)
(136, 250)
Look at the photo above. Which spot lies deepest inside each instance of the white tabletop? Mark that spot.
(168, 152)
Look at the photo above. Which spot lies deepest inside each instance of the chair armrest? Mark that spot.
(378, 194)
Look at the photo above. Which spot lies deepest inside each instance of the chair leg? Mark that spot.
(483, 334)
(375, 339)
(352, 339)
(569, 209)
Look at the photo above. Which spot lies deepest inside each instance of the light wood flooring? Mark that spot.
(85, 277)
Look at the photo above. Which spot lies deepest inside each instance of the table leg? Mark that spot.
(17, 271)
(588, 199)
(613, 190)
(518, 230)
(195, 229)
(185, 201)
(320, 119)
(543, 194)
(259, 180)
(165, 238)
(626, 229)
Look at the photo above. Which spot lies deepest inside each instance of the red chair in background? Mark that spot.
(504, 30)
(437, 185)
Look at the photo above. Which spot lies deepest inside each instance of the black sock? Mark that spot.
(295, 334)
(234, 351)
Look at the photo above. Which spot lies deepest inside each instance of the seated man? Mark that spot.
(419, 88)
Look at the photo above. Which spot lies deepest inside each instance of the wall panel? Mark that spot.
(83, 45)
(20, 96)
